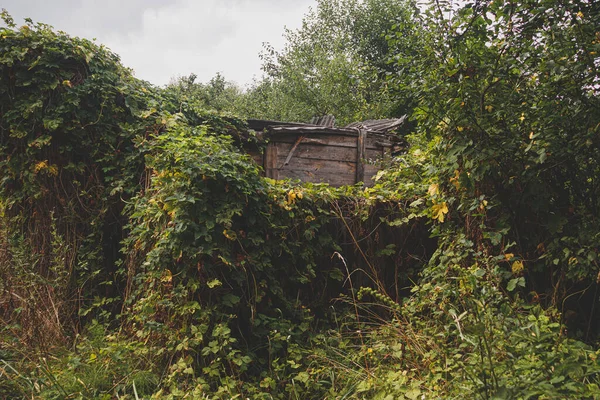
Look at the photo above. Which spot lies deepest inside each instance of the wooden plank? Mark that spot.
(317, 166)
(370, 172)
(326, 140)
(334, 179)
(318, 152)
(377, 141)
(320, 139)
(373, 155)
(271, 161)
(315, 152)
(360, 156)
(336, 173)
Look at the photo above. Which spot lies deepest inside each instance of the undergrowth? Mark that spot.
(143, 255)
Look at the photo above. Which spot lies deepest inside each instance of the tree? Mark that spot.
(509, 91)
(334, 62)
(218, 94)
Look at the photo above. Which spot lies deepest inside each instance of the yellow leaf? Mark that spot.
(509, 256)
(229, 234)
(40, 166)
(489, 108)
(439, 211)
(460, 128)
(291, 196)
(573, 261)
(517, 267)
(454, 180)
(53, 170)
(43, 166)
(433, 189)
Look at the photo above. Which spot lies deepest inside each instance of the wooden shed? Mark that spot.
(321, 152)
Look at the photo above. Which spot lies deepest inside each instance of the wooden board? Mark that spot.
(372, 142)
(335, 172)
(332, 179)
(318, 152)
(373, 155)
(324, 166)
(309, 176)
(334, 153)
(361, 148)
(323, 158)
(270, 161)
(370, 172)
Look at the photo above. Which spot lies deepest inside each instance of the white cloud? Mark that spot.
(162, 39)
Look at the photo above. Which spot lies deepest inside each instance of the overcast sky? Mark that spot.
(161, 39)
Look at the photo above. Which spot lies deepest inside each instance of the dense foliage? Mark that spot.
(143, 255)
(515, 104)
(68, 133)
(218, 94)
(335, 64)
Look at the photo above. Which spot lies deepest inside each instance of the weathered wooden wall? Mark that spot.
(337, 159)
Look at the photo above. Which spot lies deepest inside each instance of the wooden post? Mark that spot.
(360, 155)
(271, 170)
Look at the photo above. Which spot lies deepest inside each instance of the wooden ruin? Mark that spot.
(320, 152)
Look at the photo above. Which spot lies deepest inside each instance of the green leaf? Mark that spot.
(230, 300)
(213, 283)
(413, 394)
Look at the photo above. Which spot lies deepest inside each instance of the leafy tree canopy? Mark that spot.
(218, 94)
(334, 62)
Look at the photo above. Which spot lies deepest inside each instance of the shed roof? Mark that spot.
(381, 127)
